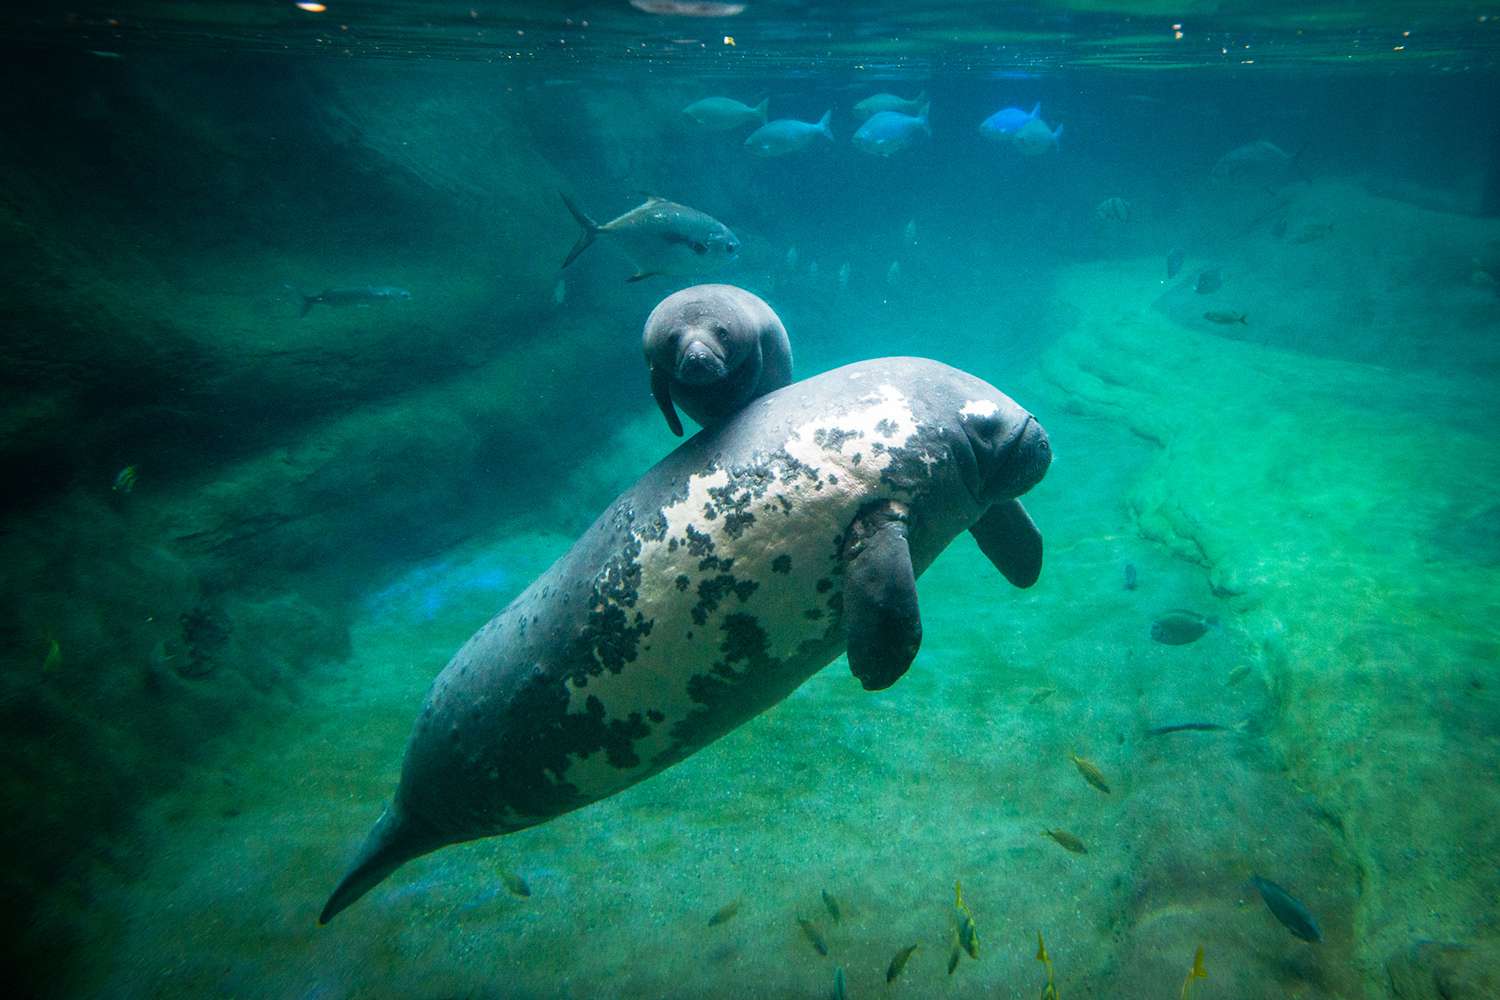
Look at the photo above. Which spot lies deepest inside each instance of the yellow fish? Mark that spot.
(1049, 992)
(968, 934)
(1196, 972)
(1067, 840)
(1090, 772)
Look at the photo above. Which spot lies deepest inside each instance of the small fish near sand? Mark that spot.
(814, 935)
(968, 932)
(52, 662)
(1209, 280)
(1180, 627)
(1196, 972)
(1049, 991)
(721, 114)
(1067, 840)
(839, 991)
(338, 298)
(1130, 576)
(1294, 916)
(1224, 317)
(724, 914)
(1191, 727)
(898, 962)
(955, 951)
(832, 906)
(1041, 695)
(1238, 674)
(515, 885)
(788, 135)
(1174, 263)
(1090, 772)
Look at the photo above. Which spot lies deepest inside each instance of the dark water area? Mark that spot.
(297, 396)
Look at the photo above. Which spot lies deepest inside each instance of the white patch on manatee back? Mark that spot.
(679, 648)
(979, 408)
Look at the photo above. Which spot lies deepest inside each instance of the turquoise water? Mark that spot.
(242, 541)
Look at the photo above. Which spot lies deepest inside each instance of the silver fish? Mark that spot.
(661, 237)
(877, 103)
(787, 135)
(337, 297)
(891, 132)
(720, 114)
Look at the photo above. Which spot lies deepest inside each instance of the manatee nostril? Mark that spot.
(699, 366)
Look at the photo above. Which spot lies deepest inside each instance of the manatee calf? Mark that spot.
(711, 349)
(739, 565)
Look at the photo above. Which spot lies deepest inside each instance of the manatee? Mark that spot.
(711, 349)
(742, 563)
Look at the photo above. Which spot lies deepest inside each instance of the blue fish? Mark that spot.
(787, 135)
(1007, 122)
(887, 133)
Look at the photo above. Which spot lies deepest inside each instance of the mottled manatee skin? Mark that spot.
(702, 596)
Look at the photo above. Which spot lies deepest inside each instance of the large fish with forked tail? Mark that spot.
(660, 237)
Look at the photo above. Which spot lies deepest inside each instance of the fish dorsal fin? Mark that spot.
(1036, 110)
(651, 197)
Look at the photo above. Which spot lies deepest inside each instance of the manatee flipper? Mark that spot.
(880, 598)
(661, 388)
(1007, 535)
(393, 841)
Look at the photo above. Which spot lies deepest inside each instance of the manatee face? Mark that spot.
(711, 349)
(1011, 451)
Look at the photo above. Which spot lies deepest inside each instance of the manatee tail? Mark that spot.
(823, 124)
(393, 841)
(589, 226)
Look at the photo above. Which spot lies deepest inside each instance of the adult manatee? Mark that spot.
(739, 565)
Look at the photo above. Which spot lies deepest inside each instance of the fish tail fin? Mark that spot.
(1057, 136)
(308, 301)
(823, 124)
(1036, 109)
(392, 842)
(589, 226)
(922, 114)
(761, 109)
(921, 97)
(1244, 320)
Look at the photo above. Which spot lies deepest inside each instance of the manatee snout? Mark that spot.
(697, 364)
(1012, 452)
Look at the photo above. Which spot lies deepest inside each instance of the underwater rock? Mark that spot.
(1444, 970)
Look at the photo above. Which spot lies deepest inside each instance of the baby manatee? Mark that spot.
(711, 349)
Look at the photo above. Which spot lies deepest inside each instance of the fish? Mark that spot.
(1067, 840)
(1090, 772)
(689, 8)
(1130, 576)
(1174, 263)
(724, 914)
(559, 292)
(839, 991)
(720, 114)
(833, 907)
(1035, 138)
(1256, 162)
(812, 270)
(898, 962)
(893, 273)
(515, 884)
(909, 234)
(844, 276)
(875, 104)
(814, 935)
(1042, 695)
(1196, 972)
(1114, 210)
(891, 132)
(957, 951)
(968, 933)
(1224, 317)
(1210, 280)
(790, 260)
(660, 237)
(52, 662)
(1238, 674)
(125, 479)
(1006, 122)
(1286, 908)
(1049, 991)
(1187, 727)
(788, 135)
(1178, 627)
(339, 297)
